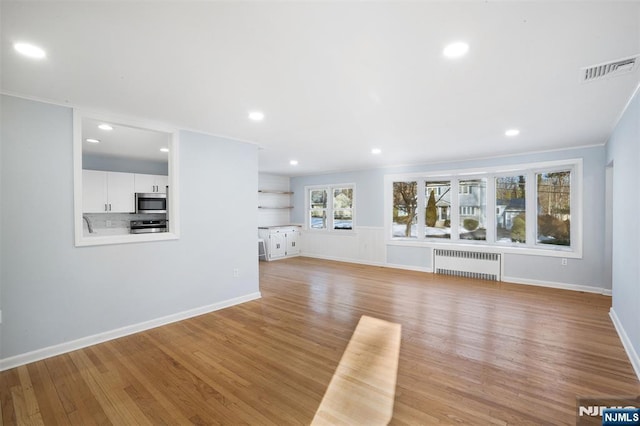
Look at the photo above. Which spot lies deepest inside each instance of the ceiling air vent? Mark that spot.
(608, 69)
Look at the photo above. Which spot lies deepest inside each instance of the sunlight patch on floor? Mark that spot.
(362, 389)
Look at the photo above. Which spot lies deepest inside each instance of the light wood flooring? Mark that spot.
(472, 351)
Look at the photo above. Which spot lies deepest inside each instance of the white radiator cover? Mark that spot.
(468, 264)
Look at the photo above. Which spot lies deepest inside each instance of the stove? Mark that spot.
(148, 226)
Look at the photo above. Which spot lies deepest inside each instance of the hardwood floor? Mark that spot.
(472, 351)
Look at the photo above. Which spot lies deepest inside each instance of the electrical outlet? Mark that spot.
(236, 272)
(564, 261)
(108, 224)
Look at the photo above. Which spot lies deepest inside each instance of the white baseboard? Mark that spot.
(562, 286)
(512, 280)
(83, 342)
(626, 342)
(342, 259)
(368, 262)
(408, 267)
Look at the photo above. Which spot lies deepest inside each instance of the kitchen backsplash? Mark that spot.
(118, 220)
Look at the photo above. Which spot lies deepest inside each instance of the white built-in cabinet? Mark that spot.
(280, 241)
(107, 192)
(151, 183)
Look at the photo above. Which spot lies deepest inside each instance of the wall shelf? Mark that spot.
(277, 200)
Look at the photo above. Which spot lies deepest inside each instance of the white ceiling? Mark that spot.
(124, 141)
(335, 79)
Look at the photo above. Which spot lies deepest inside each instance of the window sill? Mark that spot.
(553, 251)
(124, 239)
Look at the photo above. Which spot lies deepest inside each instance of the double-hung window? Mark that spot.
(331, 207)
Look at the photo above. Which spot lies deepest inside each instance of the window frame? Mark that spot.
(173, 203)
(529, 170)
(330, 207)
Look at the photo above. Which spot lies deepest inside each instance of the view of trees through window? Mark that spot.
(343, 208)
(438, 209)
(554, 208)
(405, 209)
(458, 208)
(331, 207)
(511, 217)
(318, 210)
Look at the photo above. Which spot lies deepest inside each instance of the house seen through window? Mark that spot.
(424, 209)
(331, 207)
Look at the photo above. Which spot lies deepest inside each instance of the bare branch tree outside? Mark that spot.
(405, 206)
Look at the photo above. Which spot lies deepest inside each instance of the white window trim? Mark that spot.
(490, 173)
(173, 204)
(329, 229)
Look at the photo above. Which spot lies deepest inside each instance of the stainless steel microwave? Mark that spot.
(151, 202)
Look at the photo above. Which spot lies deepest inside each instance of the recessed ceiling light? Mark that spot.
(376, 151)
(256, 115)
(293, 162)
(105, 126)
(90, 140)
(30, 50)
(512, 132)
(456, 50)
(164, 149)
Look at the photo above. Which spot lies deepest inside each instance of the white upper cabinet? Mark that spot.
(161, 183)
(94, 191)
(151, 183)
(121, 193)
(107, 192)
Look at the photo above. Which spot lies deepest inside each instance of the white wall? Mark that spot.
(125, 165)
(623, 150)
(55, 293)
(367, 244)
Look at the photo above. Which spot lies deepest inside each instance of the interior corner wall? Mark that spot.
(624, 152)
(54, 292)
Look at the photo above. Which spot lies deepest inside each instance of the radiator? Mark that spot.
(468, 264)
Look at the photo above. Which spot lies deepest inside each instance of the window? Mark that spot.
(438, 209)
(343, 208)
(318, 209)
(405, 206)
(472, 199)
(331, 207)
(511, 218)
(113, 182)
(522, 223)
(554, 208)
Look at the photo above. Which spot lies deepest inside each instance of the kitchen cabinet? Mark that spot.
(107, 192)
(281, 241)
(151, 183)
